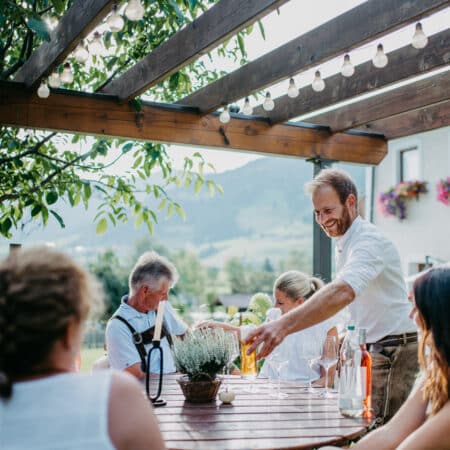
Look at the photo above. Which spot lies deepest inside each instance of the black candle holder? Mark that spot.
(156, 400)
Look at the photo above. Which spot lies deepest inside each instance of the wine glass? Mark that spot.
(233, 353)
(328, 359)
(278, 361)
(311, 351)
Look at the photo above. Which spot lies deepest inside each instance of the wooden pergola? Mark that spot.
(357, 132)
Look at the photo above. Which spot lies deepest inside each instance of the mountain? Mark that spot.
(263, 204)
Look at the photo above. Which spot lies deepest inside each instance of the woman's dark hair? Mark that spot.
(432, 299)
(41, 291)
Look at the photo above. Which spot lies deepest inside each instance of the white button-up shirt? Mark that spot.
(122, 352)
(370, 264)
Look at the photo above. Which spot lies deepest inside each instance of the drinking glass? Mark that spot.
(249, 368)
(311, 351)
(278, 362)
(328, 359)
(233, 353)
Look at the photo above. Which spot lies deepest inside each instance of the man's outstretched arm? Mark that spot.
(323, 304)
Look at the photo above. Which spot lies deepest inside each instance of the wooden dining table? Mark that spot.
(256, 419)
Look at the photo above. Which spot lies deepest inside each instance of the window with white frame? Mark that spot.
(408, 160)
(409, 164)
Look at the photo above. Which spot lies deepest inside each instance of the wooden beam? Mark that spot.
(210, 29)
(404, 63)
(406, 98)
(349, 30)
(102, 115)
(79, 20)
(412, 122)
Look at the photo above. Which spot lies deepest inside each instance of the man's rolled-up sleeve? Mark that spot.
(363, 265)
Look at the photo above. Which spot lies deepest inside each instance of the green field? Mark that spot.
(88, 356)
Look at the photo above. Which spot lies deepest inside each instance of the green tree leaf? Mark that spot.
(51, 197)
(102, 226)
(39, 27)
(58, 218)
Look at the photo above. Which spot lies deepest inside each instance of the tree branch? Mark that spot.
(19, 63)
(109, 79)
(33, 150)
(44, 181)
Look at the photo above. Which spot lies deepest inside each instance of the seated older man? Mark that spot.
(149, 283)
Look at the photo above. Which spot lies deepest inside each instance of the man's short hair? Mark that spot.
(339, 180)
(150, 269)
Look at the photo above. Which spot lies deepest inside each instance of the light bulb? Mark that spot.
(225, 115)
(134, 10)
(318, 84)
(347, 69)
(419, 39)
(67, 75)
(247, 109)
(43, 91)
(115, 21)
(292, 89)
(268, 104)
(53, 80)
(52, 22)
(96, 45)
(380, 60)
(81, 54)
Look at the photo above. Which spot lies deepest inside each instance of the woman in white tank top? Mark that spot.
(44, 300)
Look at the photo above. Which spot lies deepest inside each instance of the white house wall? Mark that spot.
(426, 230)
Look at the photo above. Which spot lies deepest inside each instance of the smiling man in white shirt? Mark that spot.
(369, 281)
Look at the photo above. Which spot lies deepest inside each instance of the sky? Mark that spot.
(293, 19)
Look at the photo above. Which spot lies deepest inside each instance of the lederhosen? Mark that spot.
(143, 338)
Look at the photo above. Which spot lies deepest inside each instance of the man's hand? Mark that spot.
(270, 335)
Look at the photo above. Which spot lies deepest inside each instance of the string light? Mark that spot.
(347, 69)
(225, 115)
(268, 104)
(43, 91)
(96, 45)
(134, 10)
(81, 54)
(54, 81)
(380, 60)
(247, 109)
(115, 21)
(292, 91)
(66, 75)
(52, 22)
(419, 39)
(318, 84)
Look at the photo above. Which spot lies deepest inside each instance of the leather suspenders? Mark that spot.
(143, 338)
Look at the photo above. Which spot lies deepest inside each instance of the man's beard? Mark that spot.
(342, 224)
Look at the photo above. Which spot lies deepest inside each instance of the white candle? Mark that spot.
(159, 319)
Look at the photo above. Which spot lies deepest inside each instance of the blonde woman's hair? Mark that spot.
(151, 268)
(296, 284)
(41, 291)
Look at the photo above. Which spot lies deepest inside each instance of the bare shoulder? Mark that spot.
(432, 434)
(131, 422)
(122, 383)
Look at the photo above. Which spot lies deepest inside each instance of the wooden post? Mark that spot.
(14, 248)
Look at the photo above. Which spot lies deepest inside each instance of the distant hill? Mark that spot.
(263, 201)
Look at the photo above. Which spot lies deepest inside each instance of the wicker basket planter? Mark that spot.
(199, 391)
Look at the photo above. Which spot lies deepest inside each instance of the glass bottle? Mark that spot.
(350, 386)
(366, 373)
